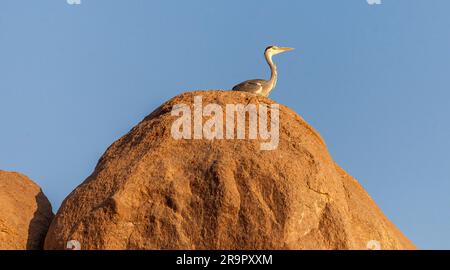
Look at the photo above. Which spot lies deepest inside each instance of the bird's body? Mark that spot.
(263, 87)
(259, 87)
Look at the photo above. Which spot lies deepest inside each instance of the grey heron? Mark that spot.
(264, 87)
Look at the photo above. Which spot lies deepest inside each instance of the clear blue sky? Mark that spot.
(373, 80)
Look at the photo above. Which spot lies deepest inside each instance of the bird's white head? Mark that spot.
(273, 50)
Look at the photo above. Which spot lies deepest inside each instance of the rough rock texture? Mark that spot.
(25, 213)
(150, 191)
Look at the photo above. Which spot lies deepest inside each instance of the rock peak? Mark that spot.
(152, 191)
(26, 213)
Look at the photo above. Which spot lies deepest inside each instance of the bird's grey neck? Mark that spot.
(273, 69)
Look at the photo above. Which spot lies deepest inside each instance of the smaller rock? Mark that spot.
(26, 213)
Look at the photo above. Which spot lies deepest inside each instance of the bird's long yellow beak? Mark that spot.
(286, 49)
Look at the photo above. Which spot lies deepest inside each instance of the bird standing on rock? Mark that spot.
(263, 87)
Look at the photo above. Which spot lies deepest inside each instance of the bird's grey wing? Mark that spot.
(252, 86)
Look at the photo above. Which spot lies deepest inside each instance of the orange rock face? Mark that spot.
(150, 191)
(26, 213)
